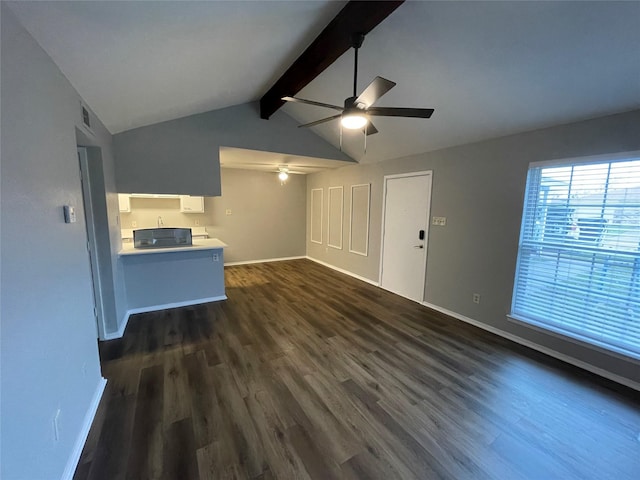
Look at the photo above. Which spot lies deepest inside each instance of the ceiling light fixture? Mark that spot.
(283, 174)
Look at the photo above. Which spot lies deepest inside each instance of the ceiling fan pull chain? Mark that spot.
(364, 130)
(340, 136)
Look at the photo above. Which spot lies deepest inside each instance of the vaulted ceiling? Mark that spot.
(488, 68)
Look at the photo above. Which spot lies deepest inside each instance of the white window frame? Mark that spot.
(573, 334)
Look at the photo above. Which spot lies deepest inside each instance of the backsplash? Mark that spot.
(146, 213)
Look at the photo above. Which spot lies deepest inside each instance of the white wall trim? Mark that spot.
(74, 458)
(264, 260)
(90, 226)
(311, 215)
(166, 306)
(539, 348)
(120, 332)
(346, 272)
(155, 308)
(368, 216)
(329, 216)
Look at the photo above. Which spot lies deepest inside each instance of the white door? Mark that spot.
(407, 199)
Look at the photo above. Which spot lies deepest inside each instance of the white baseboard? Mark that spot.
(74, 458)
(264, 260)
(539, 348)
(346, 272)
(155, 308)
(121, 329)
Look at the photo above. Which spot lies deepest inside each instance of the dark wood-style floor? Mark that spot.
(307, 373)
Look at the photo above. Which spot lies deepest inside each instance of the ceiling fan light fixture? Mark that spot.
(354, 121)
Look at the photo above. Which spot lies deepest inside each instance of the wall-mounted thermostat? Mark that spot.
(69, 214)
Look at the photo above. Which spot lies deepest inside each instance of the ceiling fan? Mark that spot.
(357, 109)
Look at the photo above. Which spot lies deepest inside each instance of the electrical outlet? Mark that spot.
(134, 224)
(215, 257)
(476, 298)
(439, 221)
(227, 211)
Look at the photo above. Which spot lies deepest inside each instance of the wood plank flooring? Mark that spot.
(305, 373)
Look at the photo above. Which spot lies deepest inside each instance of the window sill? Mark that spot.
(575, 338)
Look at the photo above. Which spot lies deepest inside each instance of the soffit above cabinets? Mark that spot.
(246, 159)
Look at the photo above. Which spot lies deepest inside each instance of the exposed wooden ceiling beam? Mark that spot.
(333, 41)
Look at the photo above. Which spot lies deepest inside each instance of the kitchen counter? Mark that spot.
(161, 278)
(198, 244)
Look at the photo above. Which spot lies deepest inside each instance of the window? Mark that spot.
(578, 270)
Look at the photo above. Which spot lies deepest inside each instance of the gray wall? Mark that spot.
(182, 156)
(49, 356)
(480, 189)
(267, 219)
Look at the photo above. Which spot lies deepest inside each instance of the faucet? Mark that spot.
(160, 222)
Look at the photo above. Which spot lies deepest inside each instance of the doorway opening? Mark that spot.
(98, 241)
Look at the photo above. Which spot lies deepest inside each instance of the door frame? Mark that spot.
(386, 178)
(92, 246)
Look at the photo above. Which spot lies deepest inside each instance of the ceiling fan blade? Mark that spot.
(371, 129)
(311, 102)
(400, 112)
(375, 90)
(318, 122)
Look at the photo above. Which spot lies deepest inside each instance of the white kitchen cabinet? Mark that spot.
(189, 204)
(125, 202)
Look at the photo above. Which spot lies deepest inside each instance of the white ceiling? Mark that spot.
(488, 68)
(137, 63)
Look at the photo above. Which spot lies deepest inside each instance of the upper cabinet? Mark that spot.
(153, 195)
(125, 202)
(189, 204)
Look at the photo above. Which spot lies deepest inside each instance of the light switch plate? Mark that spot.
(69, 214)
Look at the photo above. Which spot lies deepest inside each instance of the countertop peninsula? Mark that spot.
(198, 244)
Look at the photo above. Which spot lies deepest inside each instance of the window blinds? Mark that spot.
(578, 270)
